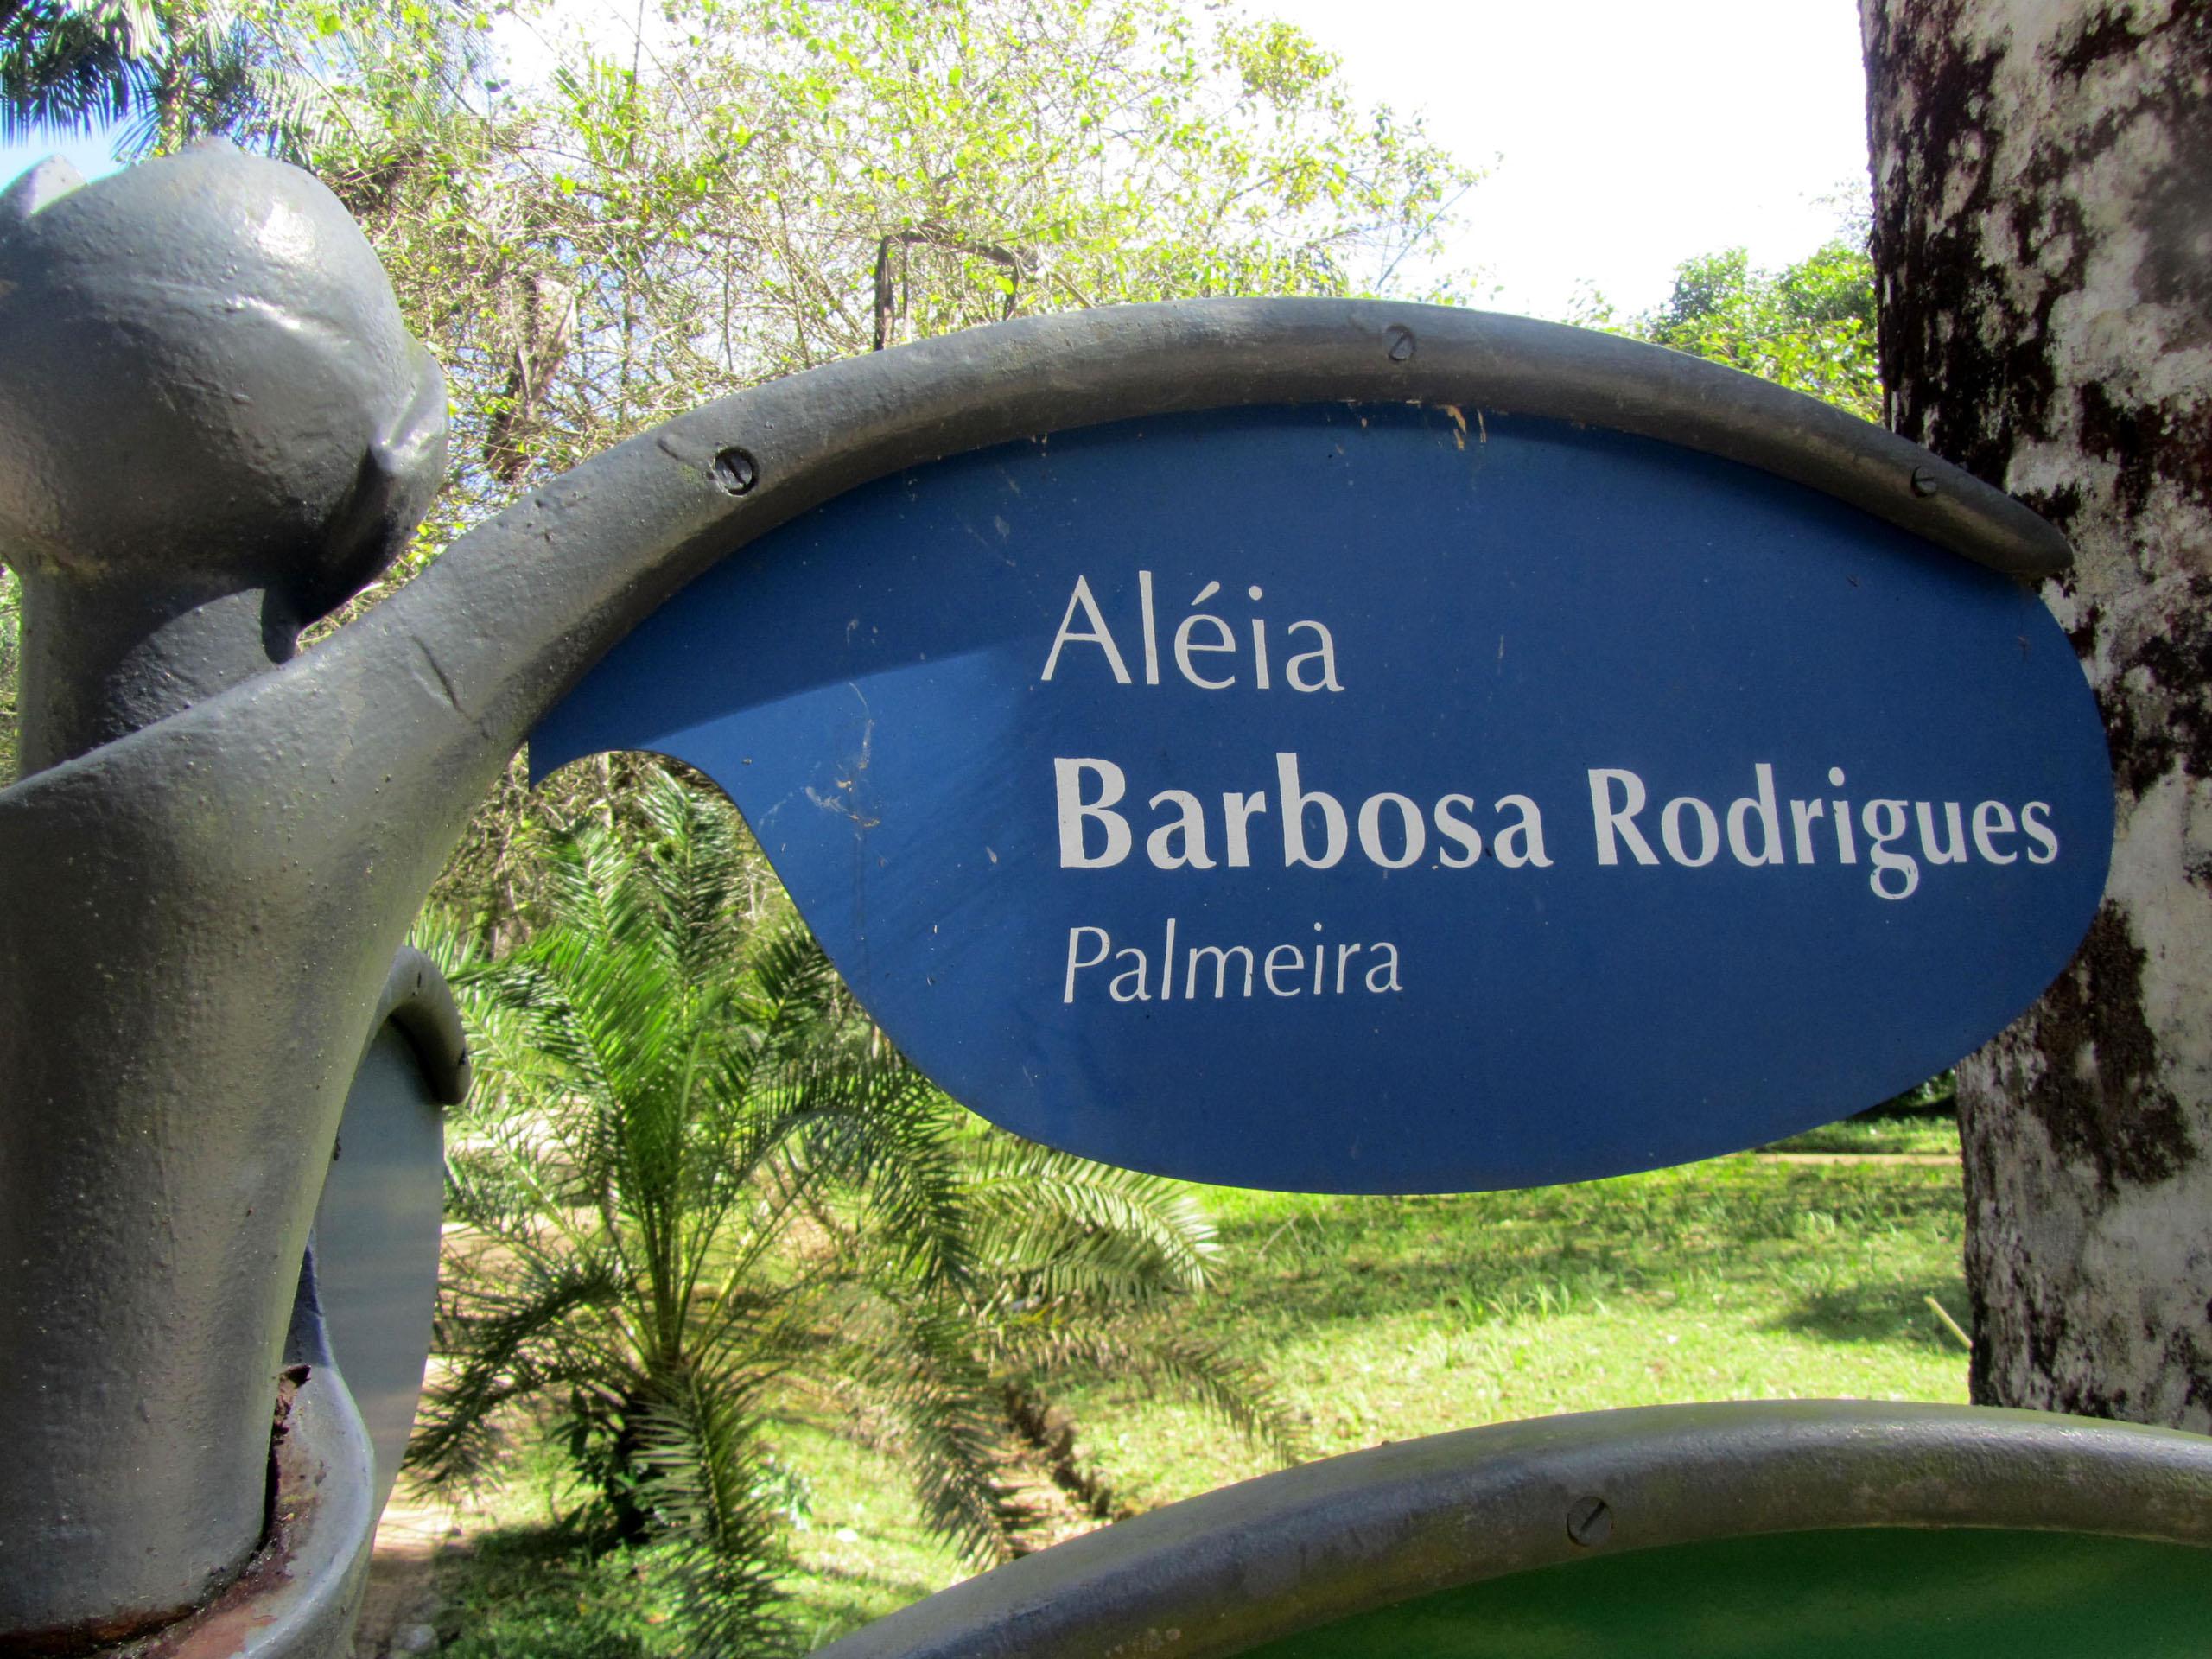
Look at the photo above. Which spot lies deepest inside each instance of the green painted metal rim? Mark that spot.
(1291, 1551)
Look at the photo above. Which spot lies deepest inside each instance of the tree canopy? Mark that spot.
(1809, 326)
(760, 186)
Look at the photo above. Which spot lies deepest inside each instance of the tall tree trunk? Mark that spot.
(2042, 180)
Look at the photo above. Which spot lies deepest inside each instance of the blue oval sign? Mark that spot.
(1381, 798)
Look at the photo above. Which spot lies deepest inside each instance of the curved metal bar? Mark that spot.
(370, 1280)
(521, 605)
(419, 1001)
(1288, 1552)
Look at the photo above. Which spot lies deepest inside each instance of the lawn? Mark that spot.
(1383, 1318)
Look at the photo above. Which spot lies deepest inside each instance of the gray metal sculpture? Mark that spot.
(213, 428)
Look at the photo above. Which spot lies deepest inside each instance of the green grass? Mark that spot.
(1922, 1134)
(859, 1553)
(1385, 1318)
(529, 1592)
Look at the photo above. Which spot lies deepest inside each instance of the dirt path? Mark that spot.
(400, 1614)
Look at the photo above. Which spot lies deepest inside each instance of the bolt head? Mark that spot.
(1589, 1521)
(736, 471)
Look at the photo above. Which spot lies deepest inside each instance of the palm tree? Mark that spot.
(66, 67)
(697, 1179)
(160, 73)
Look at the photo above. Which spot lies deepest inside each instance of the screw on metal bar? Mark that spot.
(1401, 342)
(736, 471)
(1589, 1522)
(1924, 481)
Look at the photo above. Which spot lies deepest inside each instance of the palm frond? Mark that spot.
(1234, 1389)
(878, 1127)
(925, 1372)
(790, 992)
(704, 1473)
(1084, 1229)
(510, 1346)
(72, 65)
(694, 869)
(698, 1174)
(1204, 1374)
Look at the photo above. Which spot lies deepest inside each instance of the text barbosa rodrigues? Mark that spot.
(1394, 832)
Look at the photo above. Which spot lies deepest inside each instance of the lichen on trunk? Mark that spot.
(2043, 181)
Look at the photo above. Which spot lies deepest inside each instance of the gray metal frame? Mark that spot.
(1290, 1552)
(373, 1261)
(205, 878)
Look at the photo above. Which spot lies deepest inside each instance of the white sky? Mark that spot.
(1620, 136)
(90, 155)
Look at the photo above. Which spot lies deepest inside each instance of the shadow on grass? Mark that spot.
(1637, 1239)
(541, 1593)
(847, 1596)
(825, 1607)
(1886, 1312)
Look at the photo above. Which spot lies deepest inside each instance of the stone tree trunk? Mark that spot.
(2042, 186)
